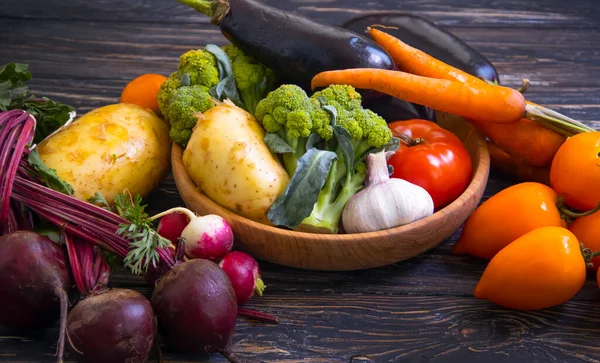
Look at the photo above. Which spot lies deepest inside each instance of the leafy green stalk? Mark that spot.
(327, 211)
(144, 239)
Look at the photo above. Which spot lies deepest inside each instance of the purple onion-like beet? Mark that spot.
(34, 279)
(196, 307)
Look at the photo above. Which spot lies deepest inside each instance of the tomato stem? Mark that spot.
(588, 254)
(409, 141)
(565, 211)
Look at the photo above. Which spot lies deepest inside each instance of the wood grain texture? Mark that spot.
(535, 14)
(77, 50)
(419, 310)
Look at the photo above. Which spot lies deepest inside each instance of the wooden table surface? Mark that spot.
(421, 310)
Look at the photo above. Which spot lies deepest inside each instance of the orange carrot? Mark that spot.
(481, 102)
(524, 139)
(518, 169)
(415, 61)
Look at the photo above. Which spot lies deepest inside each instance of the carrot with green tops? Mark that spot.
(482, 102)
(415, 61)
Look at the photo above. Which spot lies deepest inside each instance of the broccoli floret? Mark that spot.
(201, 66)
(166, 90)
(367, 129)
(287, 112)
(182, 106)
(345, 128)
(186, 91)
(253, 80)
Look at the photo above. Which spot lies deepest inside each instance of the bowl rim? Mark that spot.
(480, 172)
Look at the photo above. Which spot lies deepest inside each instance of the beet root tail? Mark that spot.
(64, 305)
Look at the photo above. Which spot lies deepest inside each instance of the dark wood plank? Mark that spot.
(549, 13)
(420, 310)
(61, 50)
(391, 328)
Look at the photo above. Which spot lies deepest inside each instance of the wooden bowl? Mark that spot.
(349, 251)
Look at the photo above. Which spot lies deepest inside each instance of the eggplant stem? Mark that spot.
(64, 306)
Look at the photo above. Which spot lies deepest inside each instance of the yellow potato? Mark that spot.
(229, 162)
(110, 149)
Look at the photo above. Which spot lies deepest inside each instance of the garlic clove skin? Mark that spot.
(384, 205)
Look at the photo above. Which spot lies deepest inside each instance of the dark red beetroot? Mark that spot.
(112, 326)
(33, 282)
(196, 307)
(108, 325)
(244, 273)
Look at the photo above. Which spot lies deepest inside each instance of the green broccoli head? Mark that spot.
(375, 129)
(201, 66)
(183, 104)
(364, 126)
(253, 80)
(286, 111)
(340, 96)
(321, 120)
(166, 90)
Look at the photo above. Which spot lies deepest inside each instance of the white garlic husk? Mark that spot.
(385, 202)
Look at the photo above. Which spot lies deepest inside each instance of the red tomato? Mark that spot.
(433, 158)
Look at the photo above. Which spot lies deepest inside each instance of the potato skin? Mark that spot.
(110, 149)
(229, 162)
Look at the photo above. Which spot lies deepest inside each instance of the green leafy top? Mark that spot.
(144, 239)
(14, 94)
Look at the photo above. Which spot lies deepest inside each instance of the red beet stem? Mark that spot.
(71, 215)
(258, 315)
(16, 131)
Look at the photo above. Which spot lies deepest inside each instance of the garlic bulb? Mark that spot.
(384, 202)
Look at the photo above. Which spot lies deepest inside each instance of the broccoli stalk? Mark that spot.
(327, 211)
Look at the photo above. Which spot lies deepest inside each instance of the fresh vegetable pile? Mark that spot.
(295, 125)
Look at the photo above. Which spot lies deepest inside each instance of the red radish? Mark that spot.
(107, 325)
(196, 307)
(171, 226)
(34, 279)
(209, 237)
(245, 275)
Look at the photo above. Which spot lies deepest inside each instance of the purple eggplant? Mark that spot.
(295, 47)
